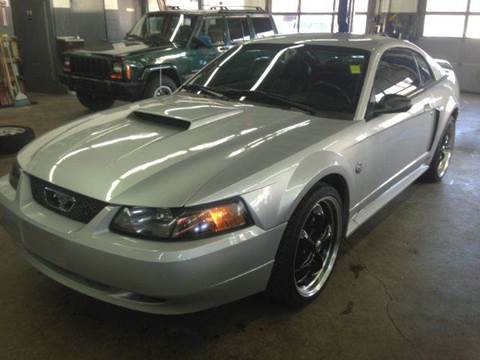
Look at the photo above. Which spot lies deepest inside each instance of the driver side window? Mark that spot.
(212, 31)
(397, 73)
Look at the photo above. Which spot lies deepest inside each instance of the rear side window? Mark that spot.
(213, 30)
(238, 28)
(426, 74)
(397, 73)
(263, 26)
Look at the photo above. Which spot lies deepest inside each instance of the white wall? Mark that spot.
(396, 6)
(184, 4)
(464, 54)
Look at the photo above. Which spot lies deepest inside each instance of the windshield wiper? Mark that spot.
(264, 96)
(206, 90)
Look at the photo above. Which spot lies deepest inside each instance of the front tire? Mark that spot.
(443, 155)
(309, 247)
(155, 88)
(94, 102)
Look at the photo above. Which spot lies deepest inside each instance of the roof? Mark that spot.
(366, 42)
(215, 10)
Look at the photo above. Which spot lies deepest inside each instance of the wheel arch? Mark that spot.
(339, 183)
(454, 113)
(170, 71)
(335, 172)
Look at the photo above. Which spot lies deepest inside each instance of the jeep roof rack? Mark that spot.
(173, 7)
(236, 8)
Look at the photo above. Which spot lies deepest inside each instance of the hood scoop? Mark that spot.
(160, 119)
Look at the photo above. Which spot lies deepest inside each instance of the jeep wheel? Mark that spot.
(93, 101)
(155, 89)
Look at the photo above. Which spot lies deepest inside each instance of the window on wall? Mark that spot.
(447, 18)
(319, 16)
(359, 21)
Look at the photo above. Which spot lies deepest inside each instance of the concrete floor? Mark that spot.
(406, 287)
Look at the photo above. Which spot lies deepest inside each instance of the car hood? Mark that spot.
(153, 160)
(120, 49)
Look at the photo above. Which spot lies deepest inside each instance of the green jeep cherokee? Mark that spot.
(161, 51)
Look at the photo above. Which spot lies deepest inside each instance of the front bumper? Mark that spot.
(155, 277)
(127, 91)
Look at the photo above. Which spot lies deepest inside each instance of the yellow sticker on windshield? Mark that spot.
(355, 69)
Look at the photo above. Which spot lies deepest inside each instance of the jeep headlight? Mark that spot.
(189, 223)
(67, 67)
(117, 71)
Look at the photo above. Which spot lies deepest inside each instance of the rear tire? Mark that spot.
(442, 157)
(155, 89)
(14, 138)
(93, 101)
(309, 247)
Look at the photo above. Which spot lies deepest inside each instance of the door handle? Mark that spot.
(223, 48)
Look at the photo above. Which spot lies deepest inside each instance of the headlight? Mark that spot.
(14, 175)
(117, 71)
(194, 223)
(66, 64)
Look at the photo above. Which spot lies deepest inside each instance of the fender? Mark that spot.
(306, 177)
(170, 68)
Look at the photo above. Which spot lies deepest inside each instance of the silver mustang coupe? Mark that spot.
(246, 179)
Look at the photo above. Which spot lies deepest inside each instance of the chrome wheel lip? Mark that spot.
(320, 278)
(446, 152)
(162, 90)
(11, 130)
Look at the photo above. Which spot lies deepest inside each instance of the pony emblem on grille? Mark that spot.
(59, 200)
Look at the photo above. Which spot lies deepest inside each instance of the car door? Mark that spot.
(209, 41)
(395, 144)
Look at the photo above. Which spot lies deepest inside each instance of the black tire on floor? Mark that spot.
(282, 286)
(433, 174)
(95, 102)
(153, 86)
(14, 138)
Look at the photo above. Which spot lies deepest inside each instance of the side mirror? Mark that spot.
(391, 103)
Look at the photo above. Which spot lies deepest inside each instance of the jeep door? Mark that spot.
(238, 29)
(209, 41)
(263, 26)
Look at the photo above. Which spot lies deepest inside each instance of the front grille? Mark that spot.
(91, 67)
(84, 209)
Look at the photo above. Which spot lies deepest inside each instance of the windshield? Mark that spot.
(325, 78)
(164, 27)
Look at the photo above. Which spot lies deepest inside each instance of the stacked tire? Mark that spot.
(14, 138)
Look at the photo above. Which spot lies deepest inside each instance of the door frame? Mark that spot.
(54, 63)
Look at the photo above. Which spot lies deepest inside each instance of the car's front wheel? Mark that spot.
(443, 155)
(159, 86)
(94, 102)
(309, 248)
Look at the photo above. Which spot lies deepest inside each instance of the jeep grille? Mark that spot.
(91, 67)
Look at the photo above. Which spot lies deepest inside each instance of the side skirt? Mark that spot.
(371, 209)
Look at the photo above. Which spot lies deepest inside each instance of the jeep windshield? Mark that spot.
(325, 79)
(160, 28)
